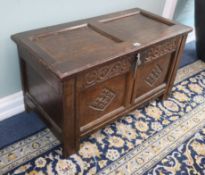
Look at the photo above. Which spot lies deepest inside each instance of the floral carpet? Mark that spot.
(163, 137)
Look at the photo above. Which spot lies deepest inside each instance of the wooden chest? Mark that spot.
(83, 75)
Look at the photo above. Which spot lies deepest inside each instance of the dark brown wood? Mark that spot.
(70, 120)
(23, 81)
(175, 65)
(82, 75)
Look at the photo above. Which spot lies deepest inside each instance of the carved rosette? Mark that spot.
(159, 50)
(106, 72)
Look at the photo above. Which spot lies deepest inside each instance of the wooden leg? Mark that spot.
(70, 147)
(164, 96)
(27, 108)
(24, 84)
(174, 71)
(176, 65)
(71, 139)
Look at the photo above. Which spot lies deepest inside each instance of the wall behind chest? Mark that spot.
(21, 15)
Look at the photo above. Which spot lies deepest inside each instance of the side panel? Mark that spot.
(44, 94)
(42, 87)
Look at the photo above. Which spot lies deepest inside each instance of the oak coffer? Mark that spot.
(83, 75)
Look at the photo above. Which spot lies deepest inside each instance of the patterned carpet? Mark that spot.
(164, 137)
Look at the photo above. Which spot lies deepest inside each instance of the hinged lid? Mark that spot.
(73, 47)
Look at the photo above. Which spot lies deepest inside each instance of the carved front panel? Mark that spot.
(102, 99)
(103, 73)
(150, 76)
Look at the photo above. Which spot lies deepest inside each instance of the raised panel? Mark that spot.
(151, 75)
(44, 94)
(106, 98)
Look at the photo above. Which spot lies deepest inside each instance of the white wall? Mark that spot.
(21, 15)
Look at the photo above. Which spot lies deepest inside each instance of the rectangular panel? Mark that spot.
(151, 75)
(74, 42)
(101, 99)
(136, 27)
(44, 94)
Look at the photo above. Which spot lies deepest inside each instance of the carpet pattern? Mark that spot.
(164, 137)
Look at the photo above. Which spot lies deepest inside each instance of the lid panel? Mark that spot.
(74, 43)
(136, 27)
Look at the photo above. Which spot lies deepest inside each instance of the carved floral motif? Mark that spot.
(106, 72)
(159, 50)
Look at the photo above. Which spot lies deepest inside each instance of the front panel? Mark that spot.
(103, 92)
(152, 74)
